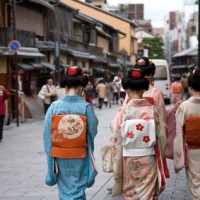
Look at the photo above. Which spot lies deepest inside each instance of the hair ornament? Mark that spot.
(196, 72)
(72, 71)
(136, 73)
(141, 62)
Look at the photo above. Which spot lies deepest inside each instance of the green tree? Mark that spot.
(122, 8)
(155, 47)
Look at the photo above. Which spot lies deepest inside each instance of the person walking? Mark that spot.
(138, 142)
(4, 95)
(176, 89)
(89, 91)
(184, 82)
(116, 88)
(109, 95)
(69, 132)
(153, 95)
(49, 92)
(187, 140)
(101, 91)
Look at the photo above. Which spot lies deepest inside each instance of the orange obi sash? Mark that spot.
(68, 136)
(192, 132)
(176, 89)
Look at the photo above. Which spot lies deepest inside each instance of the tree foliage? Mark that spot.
(155, 47)
(122, 8)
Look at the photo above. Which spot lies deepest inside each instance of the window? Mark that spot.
(161, 73)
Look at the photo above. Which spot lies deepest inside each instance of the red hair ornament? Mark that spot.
(72, 71)
(136, 74)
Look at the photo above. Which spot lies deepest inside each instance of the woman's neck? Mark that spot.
(196, 94)
(74, 91)
(135, 95)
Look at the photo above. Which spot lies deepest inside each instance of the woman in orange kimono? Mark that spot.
(187, 145)
(138, 143)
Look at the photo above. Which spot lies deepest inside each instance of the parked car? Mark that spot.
(162, 78)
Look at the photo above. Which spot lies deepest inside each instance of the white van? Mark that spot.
(162, 79)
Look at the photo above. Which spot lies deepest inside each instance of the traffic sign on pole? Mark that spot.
(14, 46)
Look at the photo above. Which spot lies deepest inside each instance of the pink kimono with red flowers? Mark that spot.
(138, 135)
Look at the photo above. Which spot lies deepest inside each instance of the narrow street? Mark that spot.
(23, 165)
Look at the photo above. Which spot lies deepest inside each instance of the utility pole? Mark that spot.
(198, 36)
(55, 3)
(13, 3)
(124, 70)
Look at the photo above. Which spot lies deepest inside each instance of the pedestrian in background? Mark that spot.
(101, 91)
(138, 142)
(176, 89)
(4, 95)
(49, 94)
(184, 82)
(89, 92)
(116, 88)
(109, 95)
(60, 92)
(187, 140)
(69, 131)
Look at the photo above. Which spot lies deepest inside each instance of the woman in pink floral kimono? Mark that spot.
(187, 145)
(138, 143)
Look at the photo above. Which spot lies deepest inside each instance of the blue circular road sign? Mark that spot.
(14, 46)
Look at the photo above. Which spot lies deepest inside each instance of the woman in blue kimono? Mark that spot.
(72, 171)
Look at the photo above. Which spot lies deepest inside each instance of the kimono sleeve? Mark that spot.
(160, 130)
(179, 157)
(116, 128)
(47, 130)
(159, 103)
(92, 123)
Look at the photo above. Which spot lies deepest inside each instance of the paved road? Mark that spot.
(23, 165)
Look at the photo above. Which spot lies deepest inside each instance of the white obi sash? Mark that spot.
(138, 137)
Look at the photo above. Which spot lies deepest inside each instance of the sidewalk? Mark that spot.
(23, 165)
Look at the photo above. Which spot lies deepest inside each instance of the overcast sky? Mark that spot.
(154, 9)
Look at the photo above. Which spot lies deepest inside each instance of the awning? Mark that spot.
(24, 52)
(99, 70)
(43, 3)
(79, 54)
(102, 32)
(36, 65)
(114, 65)
(29, 52)
(48, 65)
(25, 66)
(99, 60)
(63, 65)
(187, 52)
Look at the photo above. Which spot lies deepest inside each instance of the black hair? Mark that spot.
(194, 80)
(135, 83)
(144, 63)
(74, 78)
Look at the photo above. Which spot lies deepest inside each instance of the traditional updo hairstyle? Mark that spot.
(194, 80)
(135, 80)
(177, 77)
(74, 78)
(144, 62)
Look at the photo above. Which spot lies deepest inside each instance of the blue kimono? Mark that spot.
(74, 175)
